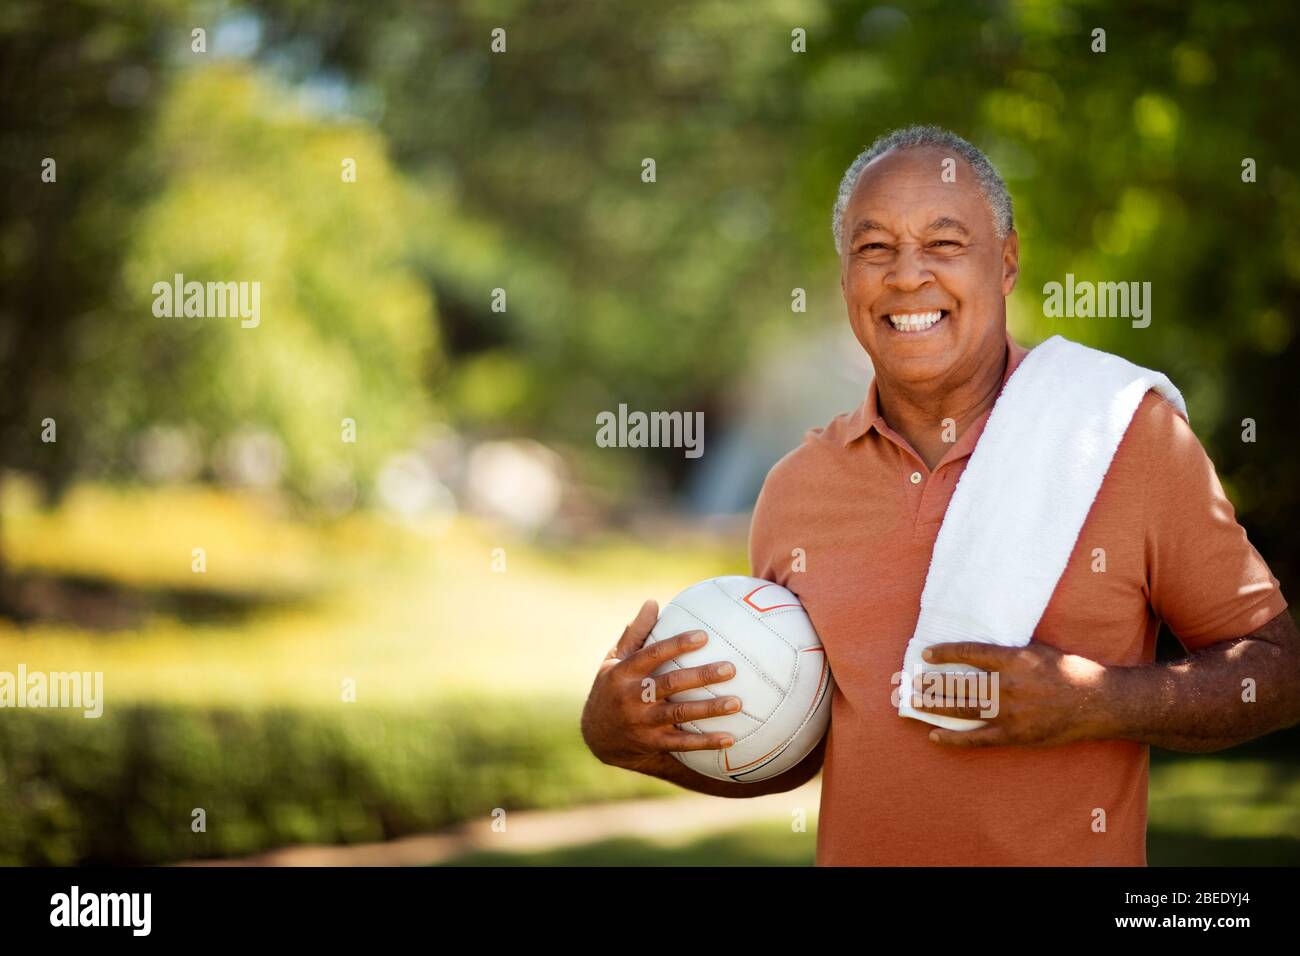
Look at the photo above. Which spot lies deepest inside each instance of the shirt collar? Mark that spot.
(867, 415)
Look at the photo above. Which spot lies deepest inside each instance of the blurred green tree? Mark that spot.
(652, 293)
(78, 88)
(253, 190)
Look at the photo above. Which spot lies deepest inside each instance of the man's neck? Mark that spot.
(918, 413)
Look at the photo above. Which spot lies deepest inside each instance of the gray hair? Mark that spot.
(991, 186)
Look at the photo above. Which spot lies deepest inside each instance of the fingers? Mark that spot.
(688, 678)
(989, 657)
(623, 724)
(658, 722)
(684, 711)
(967, 694)
(634, 634)
(682, 741)
(647, 659)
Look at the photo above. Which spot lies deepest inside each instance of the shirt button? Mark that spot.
(916, 477)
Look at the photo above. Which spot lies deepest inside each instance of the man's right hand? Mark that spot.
(623, 728)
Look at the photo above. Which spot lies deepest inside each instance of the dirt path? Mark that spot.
(531, 831)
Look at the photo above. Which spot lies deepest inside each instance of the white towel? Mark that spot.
(1016, 512)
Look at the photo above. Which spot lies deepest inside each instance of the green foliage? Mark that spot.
(620, 290)
(123, 790)
(251, 190)
(77, 87)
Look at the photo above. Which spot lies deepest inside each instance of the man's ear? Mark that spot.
(1010, 262)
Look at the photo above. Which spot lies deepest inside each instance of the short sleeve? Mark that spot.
(762, 535)
(776, 513)
(1205, 580)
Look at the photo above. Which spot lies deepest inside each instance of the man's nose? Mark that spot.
(910, 271)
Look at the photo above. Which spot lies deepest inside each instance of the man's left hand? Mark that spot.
(1044, 697)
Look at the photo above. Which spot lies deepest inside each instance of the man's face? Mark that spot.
(916, 246)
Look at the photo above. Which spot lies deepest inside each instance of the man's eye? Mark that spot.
(873, 246)
(945, 242)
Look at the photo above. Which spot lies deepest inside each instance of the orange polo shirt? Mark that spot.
(865, 511)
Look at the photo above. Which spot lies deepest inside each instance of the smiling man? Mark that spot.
(1059, 775)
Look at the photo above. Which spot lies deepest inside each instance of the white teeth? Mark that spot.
(914, 321)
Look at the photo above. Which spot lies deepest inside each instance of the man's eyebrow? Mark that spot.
(867, 225)
(947, 222)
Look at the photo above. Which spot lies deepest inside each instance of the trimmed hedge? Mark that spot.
(122, 789)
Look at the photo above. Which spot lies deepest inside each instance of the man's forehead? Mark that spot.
(915, 180)
(921, 166)
(910, 159)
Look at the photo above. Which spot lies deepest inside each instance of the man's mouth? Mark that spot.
(916, 321)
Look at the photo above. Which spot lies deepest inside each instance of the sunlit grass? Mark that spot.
(408, 612)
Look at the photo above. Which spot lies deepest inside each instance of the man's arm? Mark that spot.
(674, 771)
(1220, 696)
(1209, 585)
(1224, 694)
